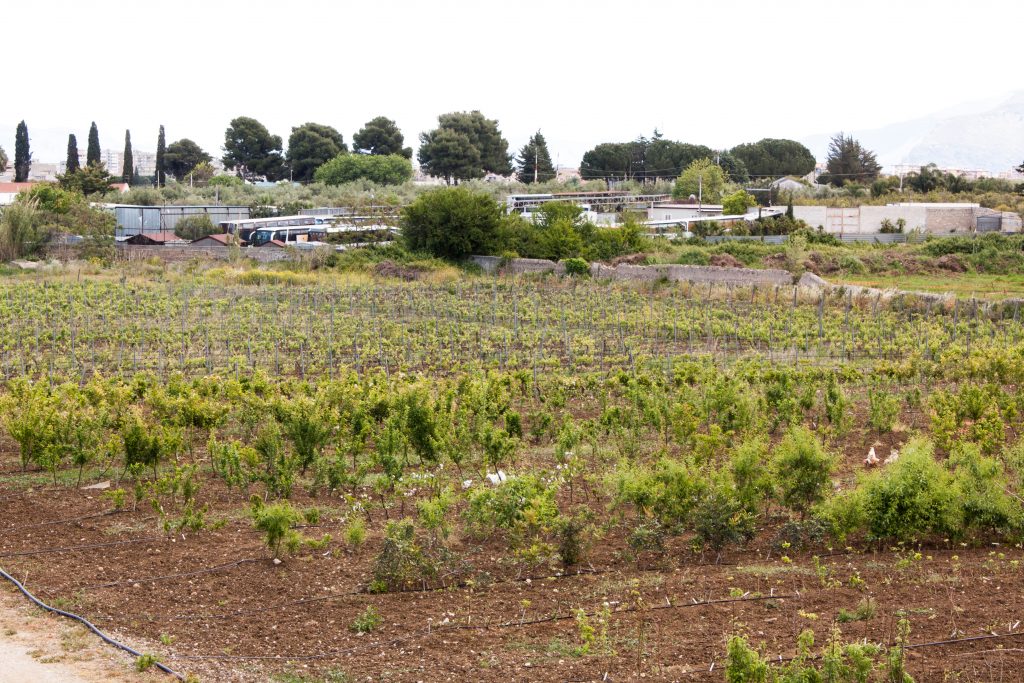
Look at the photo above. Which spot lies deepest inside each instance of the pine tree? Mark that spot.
(22, 154)
(92, 152)
(161, 147)
(72, 165)
(129, 163)
(533, 164)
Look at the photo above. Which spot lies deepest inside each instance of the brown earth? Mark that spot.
(214, 603)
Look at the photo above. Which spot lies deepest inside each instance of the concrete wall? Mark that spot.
(869, 219)
(674, 273)
(187, 253)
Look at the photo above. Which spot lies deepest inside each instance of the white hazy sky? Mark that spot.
(716, 72)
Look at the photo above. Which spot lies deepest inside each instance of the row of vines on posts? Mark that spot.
(544, 416)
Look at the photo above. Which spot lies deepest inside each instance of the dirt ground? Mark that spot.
(42, 648)
(214, 604)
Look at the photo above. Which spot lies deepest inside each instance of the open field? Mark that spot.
(307, 477)
(965, 285)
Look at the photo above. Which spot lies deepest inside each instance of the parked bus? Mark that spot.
(245, 228)
(261, 236)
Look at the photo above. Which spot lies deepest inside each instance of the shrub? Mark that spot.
(911, 497)
(21, 230)
(750, 474)
(802, 469)
(720, 517)
(276, 522)
(744, 664)
(401, 562)
(576, 267)
(367, 621)
(883, 409)
(383, 169)
(982, 486)
(517, 505)
(452, 223)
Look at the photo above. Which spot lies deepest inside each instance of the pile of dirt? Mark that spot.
(952, 263)
(392, 269)
(819, 264)
(628, 259)
(725, 261)
(774, 261)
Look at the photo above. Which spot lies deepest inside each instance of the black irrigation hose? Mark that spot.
(165, 577)
(87, 546)
(89, 625)
(55, 522)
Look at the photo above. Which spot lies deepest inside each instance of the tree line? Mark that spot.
(463, 146)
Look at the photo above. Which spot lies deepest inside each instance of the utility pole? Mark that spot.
(536, 160)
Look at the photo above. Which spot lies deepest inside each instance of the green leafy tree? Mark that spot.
(161, 150)
(392, 169)
(72, 164)
(93, 179)
(251, 151)
(128, 167)
(703, 179)
(381, 136)
(452, 223)
(607, 161)
(92, 152)
(450, 155)
(802, 469)
(737, 203)
(465, 145)
(533, 165)
(772, 157)
(849, 162)
(3, 160)
(182, 156)
(22, 154)
(310, 146)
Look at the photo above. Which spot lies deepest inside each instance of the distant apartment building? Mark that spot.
(113, 160)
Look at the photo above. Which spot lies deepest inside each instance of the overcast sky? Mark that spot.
(717, 72)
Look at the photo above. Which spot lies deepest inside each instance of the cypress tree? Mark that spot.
(129, 162)
(161, 148)
(22, 154)
(72, 165)
(92, 153)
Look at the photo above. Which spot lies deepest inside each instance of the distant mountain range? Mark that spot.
(981, 136)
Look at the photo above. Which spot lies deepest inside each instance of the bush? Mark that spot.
(883, 409)
(276, 521)
(383, 169)
(912, 497)
(367, 621)
(21, 230)
(802, 469)
(452, 223)
(721, 518)
(401, 562)
(576, 267)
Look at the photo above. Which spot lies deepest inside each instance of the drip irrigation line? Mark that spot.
(164, 577)
(330, 654)
(88, 546)
(88, 624)
(62, 521)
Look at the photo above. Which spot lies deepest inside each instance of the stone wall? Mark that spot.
(673, 273)
(131, 252)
